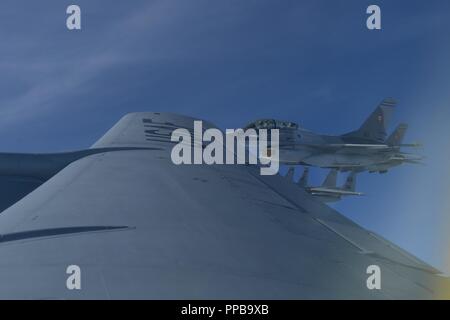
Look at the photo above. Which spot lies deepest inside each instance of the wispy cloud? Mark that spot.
(55, 68)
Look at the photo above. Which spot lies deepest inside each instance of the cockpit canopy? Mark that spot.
(272, 124)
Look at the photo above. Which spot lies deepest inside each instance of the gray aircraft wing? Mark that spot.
(139, 226)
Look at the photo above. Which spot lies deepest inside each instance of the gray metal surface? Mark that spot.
(142, 227)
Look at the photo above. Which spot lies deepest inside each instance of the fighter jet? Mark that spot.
(365, 149)
(328, 191)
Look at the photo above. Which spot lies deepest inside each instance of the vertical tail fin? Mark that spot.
(303, 182)
(290, 174)
(350, 183)
(330, 180)
(374, 128)
(396, 137)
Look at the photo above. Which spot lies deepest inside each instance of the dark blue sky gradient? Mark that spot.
(313, 62)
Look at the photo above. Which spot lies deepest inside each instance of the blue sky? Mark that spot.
(313, 62)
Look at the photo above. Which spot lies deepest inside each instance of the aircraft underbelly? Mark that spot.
(338, 159)
(294, 156)
(332, 158)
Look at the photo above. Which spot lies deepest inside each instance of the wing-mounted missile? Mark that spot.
(329, 192)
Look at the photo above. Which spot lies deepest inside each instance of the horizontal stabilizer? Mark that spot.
(330, 180)
(350, 183)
